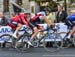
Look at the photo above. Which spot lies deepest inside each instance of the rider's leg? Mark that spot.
(35, 31)
(19, 26)
(71, 32)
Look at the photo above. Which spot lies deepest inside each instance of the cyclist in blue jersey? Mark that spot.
(71, 19)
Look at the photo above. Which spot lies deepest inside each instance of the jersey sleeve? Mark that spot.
(71, 17)
(24, 20)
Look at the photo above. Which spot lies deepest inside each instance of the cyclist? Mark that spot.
(36, 20)
(71, 19)
(16, 22)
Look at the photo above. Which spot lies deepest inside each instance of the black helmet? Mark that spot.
(47, 9)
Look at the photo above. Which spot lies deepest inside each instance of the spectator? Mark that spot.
(3, 19)
(61, 14)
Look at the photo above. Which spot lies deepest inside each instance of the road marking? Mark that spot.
(67, 55)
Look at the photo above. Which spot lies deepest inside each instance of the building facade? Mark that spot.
(7, 7)
(32, 5)
(68, 4)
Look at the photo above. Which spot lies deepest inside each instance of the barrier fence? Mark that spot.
(7, 30)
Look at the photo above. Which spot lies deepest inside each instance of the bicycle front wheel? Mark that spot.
(52, 42)
(23, 46)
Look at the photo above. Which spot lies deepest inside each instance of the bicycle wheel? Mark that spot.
(22, 46)
(54, 42)
(7, 38)
(73, 40)
(67, 42)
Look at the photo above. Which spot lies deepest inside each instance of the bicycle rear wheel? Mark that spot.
(7, 38)
(55, 42)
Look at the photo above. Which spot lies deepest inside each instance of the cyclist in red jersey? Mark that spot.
(16, 22)
(35, 20)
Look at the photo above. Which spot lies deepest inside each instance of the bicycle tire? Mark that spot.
(66, 42)
(7, 35)
(73, 40)
(56, 47)
(13, 43)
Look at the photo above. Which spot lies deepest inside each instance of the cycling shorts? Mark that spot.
(12, 24)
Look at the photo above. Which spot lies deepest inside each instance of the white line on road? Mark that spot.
(67, 55)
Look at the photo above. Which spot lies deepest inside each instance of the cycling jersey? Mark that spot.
(38, 16)
(71, 19)
(15, 19)
(21, 18)
(36, 19)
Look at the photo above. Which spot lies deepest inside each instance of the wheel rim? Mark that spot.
(54, 46)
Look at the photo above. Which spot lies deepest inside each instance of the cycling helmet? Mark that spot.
(47, 9)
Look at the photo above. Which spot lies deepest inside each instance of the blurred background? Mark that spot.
(34, 6)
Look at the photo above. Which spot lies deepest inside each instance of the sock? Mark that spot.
(68, 36)
(15, 32)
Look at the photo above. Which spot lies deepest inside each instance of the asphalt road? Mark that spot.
(37, 52)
